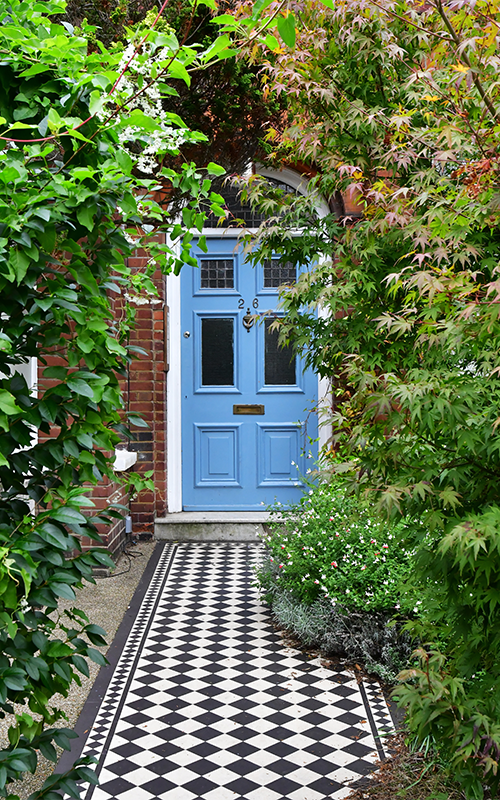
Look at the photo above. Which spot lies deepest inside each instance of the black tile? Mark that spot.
(282, 766)
(284, 786)
(346, 704)
(343, 691)
(361, 767)
(165, 750)
(323, 766)
(117, 786)
(200, 786)
(242, 749)
(163, 766)
(318, 749)
(326, 786)
(205, 734)
(358, 749)
(133, 734)
(313, 718)
(122, 767)
(311, 704)
(136, 719)
(158, 785)
(353, 733)
(141, 704)
(350, 719)
(281, 749)
(242, 786)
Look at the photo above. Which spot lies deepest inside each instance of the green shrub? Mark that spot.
(332, 545)
(335, 576)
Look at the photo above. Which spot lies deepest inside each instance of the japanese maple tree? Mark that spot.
(395, 107)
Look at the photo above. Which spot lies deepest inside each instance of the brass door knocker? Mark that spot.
(248, 320)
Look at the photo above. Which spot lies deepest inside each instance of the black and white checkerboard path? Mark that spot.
(206, 701)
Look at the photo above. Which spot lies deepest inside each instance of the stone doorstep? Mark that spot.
(211, 526)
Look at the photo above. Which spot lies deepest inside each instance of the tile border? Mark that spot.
(93, 703)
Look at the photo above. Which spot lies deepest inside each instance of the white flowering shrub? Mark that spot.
(336, 576)
(142, 89)
(332, 546)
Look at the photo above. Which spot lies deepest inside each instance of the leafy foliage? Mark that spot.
(332, 545)
(73, 207)
(395, 106)
(334, 574)
(227, 101)
(370, 638)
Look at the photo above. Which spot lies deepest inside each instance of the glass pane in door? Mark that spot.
(279, 362)
(217, 351)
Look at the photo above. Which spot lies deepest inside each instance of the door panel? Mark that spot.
(217, 455)
(279, 451)
(246, 402)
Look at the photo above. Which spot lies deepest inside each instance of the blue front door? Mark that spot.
(248, 423)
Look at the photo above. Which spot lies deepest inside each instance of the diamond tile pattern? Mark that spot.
(206, 701)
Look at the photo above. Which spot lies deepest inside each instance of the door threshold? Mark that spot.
(215, 516)
(211, 526)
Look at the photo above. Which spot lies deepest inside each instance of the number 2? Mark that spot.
(241, 303)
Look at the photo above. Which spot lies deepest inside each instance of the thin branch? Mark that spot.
(477, 83)
(81, 124)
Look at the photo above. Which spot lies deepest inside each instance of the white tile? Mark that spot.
(100, 794)
(187, 741)
(222, 758)
(262, 776)
(261, 758)
(222, 775)
(224, 741)
(179, 793)
(188, 725)
(304, 776)
(263, 793)
(221, 793)
(306, 793)
(225, 725)
(346, 775)
(142, 759)
(181, 775)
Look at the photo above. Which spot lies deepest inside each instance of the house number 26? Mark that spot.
(255, 303)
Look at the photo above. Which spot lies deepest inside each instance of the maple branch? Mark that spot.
(456, 38)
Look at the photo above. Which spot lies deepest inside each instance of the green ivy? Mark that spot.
(73, 207)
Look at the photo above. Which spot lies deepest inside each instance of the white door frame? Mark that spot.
(174, 397)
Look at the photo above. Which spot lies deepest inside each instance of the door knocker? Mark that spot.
(248, 320)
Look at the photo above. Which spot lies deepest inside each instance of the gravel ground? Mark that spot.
(105, 604)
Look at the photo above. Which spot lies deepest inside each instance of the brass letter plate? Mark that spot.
(248, 409)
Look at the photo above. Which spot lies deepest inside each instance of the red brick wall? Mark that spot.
(146, 395)
(113, 536)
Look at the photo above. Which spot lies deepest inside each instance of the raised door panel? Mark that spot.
(216, 455)
(278, 454)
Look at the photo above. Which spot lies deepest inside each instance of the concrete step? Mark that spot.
(211, 526)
